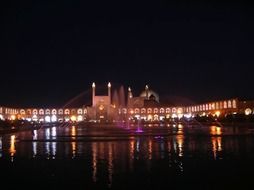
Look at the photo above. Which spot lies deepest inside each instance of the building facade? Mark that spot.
(146, 107)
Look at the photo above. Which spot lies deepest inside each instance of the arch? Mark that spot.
(47, 111)
(156, 117)
(234, 103)
(41, 112)
(149, 110)
(80, 111)
(168, 110)
(162, 110)
(22, 112)
(173, 110)
(143, 110)
(137, 110)
(35, 111)
(67, 112)
(155, 110)
(73, 111)
(60, 111)
(85, 111)
(225, 106)
(229, 104)
(28, 111)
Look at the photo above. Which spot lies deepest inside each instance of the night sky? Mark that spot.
(52, 51)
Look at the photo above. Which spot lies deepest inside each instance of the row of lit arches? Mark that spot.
(151, 110)
(52, 111)
(227, 104)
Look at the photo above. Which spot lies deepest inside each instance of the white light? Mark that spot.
(174, 115)
(80, 118)
(54, 118)
(47, 119)
(247, 111)
(1, 117)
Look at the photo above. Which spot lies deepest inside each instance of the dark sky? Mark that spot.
(52, 51)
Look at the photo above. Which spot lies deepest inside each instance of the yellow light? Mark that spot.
(73, 118)
(217, 113)
(13, 117)
(12, 147)
(101, 107)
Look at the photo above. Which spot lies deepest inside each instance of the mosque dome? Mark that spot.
(151, 94)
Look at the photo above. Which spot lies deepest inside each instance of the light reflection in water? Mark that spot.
(47, 134)
(214, 130)
(110, 164)
(1, 147)
(73, 143)
(216, 146)
(12, 147)
(131, 154)
(73, 132)
(180, 141)
(150, 149)
(53, 132)
(47, 147)
(34, 144)
(94, 161)
(180, 129)
(53, 147)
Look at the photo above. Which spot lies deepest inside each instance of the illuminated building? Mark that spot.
(146, 107)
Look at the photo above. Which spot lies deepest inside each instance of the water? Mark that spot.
(168, 157)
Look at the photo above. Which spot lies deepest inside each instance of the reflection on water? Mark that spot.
(1, 147)
(215, 130)
(12, 147)
(107, 156)
(216, 146)
(94, 161)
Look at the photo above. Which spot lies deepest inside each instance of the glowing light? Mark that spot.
(73, 131)
(94, 161)
(109, 85)
(217, 113)
(179, 140)
(101, 107)
(174, 115)
(54, 118)
(214, 130)
(34, 118)
(80, 118)
(93, 85)
(150, 117)
(12, 147)
(47, 118)
(73, 118)
(13, 117)
(53, 130)
(1, 117)
(247, 111)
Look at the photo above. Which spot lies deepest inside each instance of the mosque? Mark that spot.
(145, 107)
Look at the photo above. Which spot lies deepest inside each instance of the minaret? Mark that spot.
(93, 95)
(129, 97)
(129, 93)
(146, 90)
(109, 92)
